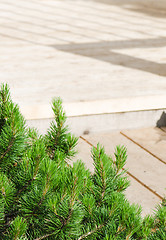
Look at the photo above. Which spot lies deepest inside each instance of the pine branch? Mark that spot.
(91, 232)
(8, 149)
(62, 220)
(68, 218)
(25, 186)
(45, 236)
(102, 179)
(33, 178)
(98, 155)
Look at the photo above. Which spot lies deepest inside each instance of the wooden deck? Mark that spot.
(146, 163)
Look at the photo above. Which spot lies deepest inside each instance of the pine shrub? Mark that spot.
(44, 196)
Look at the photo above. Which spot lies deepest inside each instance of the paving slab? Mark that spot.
(86, 52)
(152, 140)
(138, 194)
(135, 193)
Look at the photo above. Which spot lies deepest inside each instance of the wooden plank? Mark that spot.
(152, 140)
(141, 164)
(135, 193)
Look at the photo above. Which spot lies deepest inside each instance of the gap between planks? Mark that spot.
(132, 140)
(129, 173)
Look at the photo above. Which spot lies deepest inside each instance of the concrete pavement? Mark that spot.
(87, 52)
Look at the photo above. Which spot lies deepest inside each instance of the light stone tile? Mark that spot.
(152, 139)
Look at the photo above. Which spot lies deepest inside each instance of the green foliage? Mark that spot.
(12, 131)
(43, 196)
(59, 142)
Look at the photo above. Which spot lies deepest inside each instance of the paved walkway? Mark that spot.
(146, 162)
(82, 51)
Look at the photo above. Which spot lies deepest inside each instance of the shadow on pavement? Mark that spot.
(135, 6)
(106, 51)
